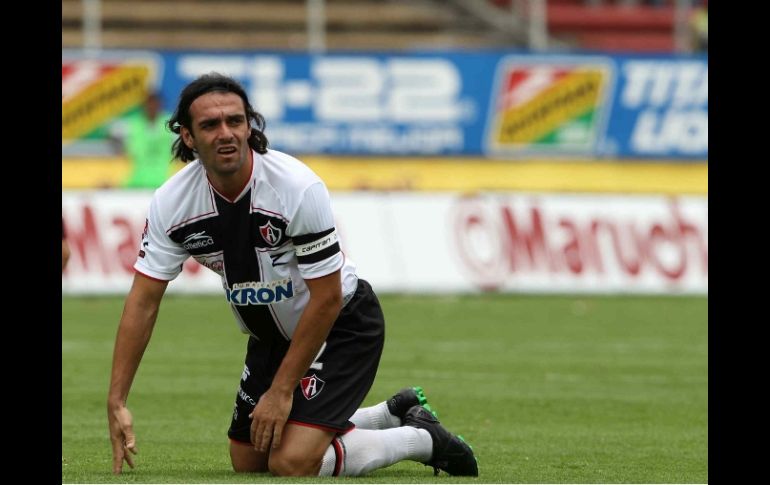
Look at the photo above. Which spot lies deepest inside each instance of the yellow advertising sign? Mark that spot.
(575, 94)
(549, 105)
(452, 174)
(110, 95)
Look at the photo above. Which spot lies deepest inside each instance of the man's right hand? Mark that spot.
(122, 437)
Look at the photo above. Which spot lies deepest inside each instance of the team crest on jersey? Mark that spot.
(270, 233)
(311, 386)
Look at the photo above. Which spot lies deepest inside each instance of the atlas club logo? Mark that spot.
(270, 233)
(311, 386)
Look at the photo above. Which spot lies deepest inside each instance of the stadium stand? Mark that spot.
(620, 25)
(274, 24)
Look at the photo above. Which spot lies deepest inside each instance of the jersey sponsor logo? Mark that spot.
(318, 245)
(270, 233)
(311, 386)
(197, 240)
(260, 292)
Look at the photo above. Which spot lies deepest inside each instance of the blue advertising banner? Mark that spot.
(424, 104)
(659, 109)
(495, 104)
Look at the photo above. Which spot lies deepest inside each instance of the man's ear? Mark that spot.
(187, 137)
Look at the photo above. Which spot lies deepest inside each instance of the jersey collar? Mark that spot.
(246, 186)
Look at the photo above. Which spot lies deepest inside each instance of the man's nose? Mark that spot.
(225, 132)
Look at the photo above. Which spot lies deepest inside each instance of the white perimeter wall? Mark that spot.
(418, 242)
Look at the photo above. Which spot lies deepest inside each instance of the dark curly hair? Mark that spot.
(206, 84)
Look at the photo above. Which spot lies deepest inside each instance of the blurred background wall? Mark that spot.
(470, 145)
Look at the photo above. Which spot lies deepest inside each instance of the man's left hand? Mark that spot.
(268, 419)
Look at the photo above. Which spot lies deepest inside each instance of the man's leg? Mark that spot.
(390, 414)
(361, 451)
(343, 375)
(243, 456)
(422, 439)
(306, 451)
(301, 452)
(246, 459)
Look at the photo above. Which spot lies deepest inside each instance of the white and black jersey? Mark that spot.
(276, 233)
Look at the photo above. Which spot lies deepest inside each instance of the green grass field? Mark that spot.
(547, 389)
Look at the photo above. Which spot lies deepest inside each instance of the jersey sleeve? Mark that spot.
(314, 235)
(159, 256)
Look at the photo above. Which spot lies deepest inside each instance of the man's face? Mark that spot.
(219, 132)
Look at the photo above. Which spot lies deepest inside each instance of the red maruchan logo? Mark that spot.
(311, 386)
(498, 238)
(103, 242)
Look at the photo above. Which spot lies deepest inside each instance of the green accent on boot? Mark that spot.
(421, 399)
(429, 408)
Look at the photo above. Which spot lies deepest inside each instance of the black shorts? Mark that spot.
(327, 396)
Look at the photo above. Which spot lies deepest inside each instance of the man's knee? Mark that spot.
(245, 459)
(301, 452)
(247, 468)
(286, 463)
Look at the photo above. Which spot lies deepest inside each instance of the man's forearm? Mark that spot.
(312, 329)
(134, 333)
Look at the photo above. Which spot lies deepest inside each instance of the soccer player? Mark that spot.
(262, 221)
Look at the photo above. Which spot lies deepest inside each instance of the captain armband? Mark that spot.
(312, 248)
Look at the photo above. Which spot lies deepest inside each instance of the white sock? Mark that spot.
(328, 462)
(375, 417)
(364, 450)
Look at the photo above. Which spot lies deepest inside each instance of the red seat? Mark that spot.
(610, 25)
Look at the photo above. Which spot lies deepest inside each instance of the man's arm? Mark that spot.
(272, 410)
(136, 324)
